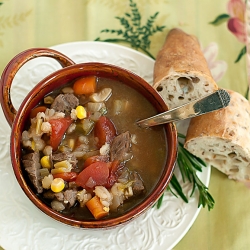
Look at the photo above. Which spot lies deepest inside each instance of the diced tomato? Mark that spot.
(36, 110)
(95, 158)
(104, 130)
(85, 85)
(95, 174)
(113, 173)
(59, 127)
(67, 176)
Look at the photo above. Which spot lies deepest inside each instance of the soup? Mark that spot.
(84, 154)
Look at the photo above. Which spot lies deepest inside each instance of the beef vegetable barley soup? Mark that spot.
(83, 153)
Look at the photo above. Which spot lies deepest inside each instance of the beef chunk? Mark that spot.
(70, 197)
(120, 146)
(59, 196)
(64, 103)
(138, 186)
(32, 165)
(65, 156)
(50, 195)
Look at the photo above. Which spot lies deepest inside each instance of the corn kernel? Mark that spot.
(81, 112)
(63, 164)
(59, 170)
(71, 143)
(106, 209)
(57, 185)
(45, 162)
(33, 145)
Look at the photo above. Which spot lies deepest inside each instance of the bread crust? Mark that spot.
(181, 58)
(222, 138)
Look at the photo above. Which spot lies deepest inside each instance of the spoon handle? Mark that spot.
(217, 100)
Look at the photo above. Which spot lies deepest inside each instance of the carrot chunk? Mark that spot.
(85, 86)
(36, 110)
(96, 208)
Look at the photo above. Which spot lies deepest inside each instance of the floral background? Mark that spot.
(143, 25)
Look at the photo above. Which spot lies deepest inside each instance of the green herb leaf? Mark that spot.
(220, 19)
(133, 31)
(176, 185)
(189, 165)
(247, 92)
(159, 202)
(242, 53)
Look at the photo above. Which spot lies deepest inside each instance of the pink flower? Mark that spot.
(217, 67)
(236, 22)
(236, 8)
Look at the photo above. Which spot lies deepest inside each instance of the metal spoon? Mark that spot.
(217, 100)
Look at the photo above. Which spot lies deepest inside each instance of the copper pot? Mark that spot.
(70, 71)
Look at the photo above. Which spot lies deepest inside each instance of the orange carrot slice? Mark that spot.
(96, 208)
(85, 86)
(36, 110)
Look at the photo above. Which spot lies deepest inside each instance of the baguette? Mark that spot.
(181, 72)
(222, 138)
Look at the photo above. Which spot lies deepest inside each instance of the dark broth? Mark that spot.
(149, 152)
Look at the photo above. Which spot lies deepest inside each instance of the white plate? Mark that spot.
(23, 226)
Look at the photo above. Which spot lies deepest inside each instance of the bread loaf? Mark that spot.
(222, 138)
(181, 72)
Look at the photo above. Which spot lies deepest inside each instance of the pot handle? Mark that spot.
(12, 68)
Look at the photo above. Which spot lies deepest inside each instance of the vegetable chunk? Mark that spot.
(96, 208)
(95, 174)
(85, 86)
(104, 130)
(59, 127)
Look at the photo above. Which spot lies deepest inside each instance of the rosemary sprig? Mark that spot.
(189, 165)
(177, 187)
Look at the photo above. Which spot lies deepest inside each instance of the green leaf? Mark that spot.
(160, 28)
(159, 202)
(177, 187)
(220, 19)
(188, 165)
(247, 92)
(242, 53)
(181, 135)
